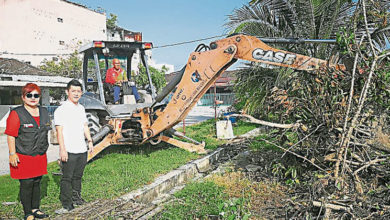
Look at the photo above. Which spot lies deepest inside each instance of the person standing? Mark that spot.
(115, 76)
(27, 137)
(72, 129)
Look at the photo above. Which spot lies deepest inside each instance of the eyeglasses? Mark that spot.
(29, 95)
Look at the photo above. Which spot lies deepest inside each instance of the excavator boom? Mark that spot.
(203, 68)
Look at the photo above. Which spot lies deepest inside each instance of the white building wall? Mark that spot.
(113, 35)
(46, 27)
(135, 62)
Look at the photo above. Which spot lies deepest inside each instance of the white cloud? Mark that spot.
(170, 67)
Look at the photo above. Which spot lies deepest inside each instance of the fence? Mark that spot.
(208, 99)
(51, 109)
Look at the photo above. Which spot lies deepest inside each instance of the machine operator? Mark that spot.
(115, 77)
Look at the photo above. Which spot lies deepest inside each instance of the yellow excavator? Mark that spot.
(153, 122)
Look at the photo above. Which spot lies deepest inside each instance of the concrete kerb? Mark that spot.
(204, 164)
(179, 176)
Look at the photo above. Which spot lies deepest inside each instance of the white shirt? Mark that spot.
(72, 118)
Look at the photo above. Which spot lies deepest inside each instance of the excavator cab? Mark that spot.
(97, 96)
(97, 59)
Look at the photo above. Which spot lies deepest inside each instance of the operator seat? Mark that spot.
(108, 92)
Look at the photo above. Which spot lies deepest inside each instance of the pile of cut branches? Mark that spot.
(341, 120)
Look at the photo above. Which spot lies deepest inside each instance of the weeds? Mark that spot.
(196, 200)
(225, 196)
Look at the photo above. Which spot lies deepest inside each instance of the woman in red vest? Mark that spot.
(27, 137)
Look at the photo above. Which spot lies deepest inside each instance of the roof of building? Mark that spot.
(83, 6)
(16, 73)
(119, 28)
(16, 67)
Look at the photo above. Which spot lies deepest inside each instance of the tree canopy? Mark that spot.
(70, 66)
(158, 77)
(112, 21)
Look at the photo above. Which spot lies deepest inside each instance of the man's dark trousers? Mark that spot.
(72, 172)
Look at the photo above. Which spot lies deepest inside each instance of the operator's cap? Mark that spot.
(115, 61)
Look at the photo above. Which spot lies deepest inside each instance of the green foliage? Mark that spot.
(196, 200)
(381, 95)
(306, 19)
(91, 69)
(291, 174)
(265, 140)
(70, 66)
(278, 169)
(219, 197)
(233, 209)
(255, 86)
(253, 2)
(158, 77)
(345, 38)
(242, 127)
(112, 21)
(259, 144)
(292, 137)
(9, 188)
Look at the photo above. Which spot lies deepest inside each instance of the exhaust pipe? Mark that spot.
(101, 134)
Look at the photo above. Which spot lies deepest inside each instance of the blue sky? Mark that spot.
(170, 21)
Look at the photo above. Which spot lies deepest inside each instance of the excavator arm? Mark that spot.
(203, 68)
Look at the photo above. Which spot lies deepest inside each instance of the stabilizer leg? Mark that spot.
(198, 148)
(100, 147)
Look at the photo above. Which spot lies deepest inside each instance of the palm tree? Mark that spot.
(317, 19)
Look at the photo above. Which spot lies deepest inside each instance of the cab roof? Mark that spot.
(118, 48)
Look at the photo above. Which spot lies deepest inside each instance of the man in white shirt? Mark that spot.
(72, 129)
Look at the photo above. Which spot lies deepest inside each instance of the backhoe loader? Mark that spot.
(153, 122)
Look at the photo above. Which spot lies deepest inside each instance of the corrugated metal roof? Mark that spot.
(16, 67)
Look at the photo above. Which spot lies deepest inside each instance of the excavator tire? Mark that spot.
(93, 122)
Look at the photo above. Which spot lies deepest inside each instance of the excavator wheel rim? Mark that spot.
(156, 140)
